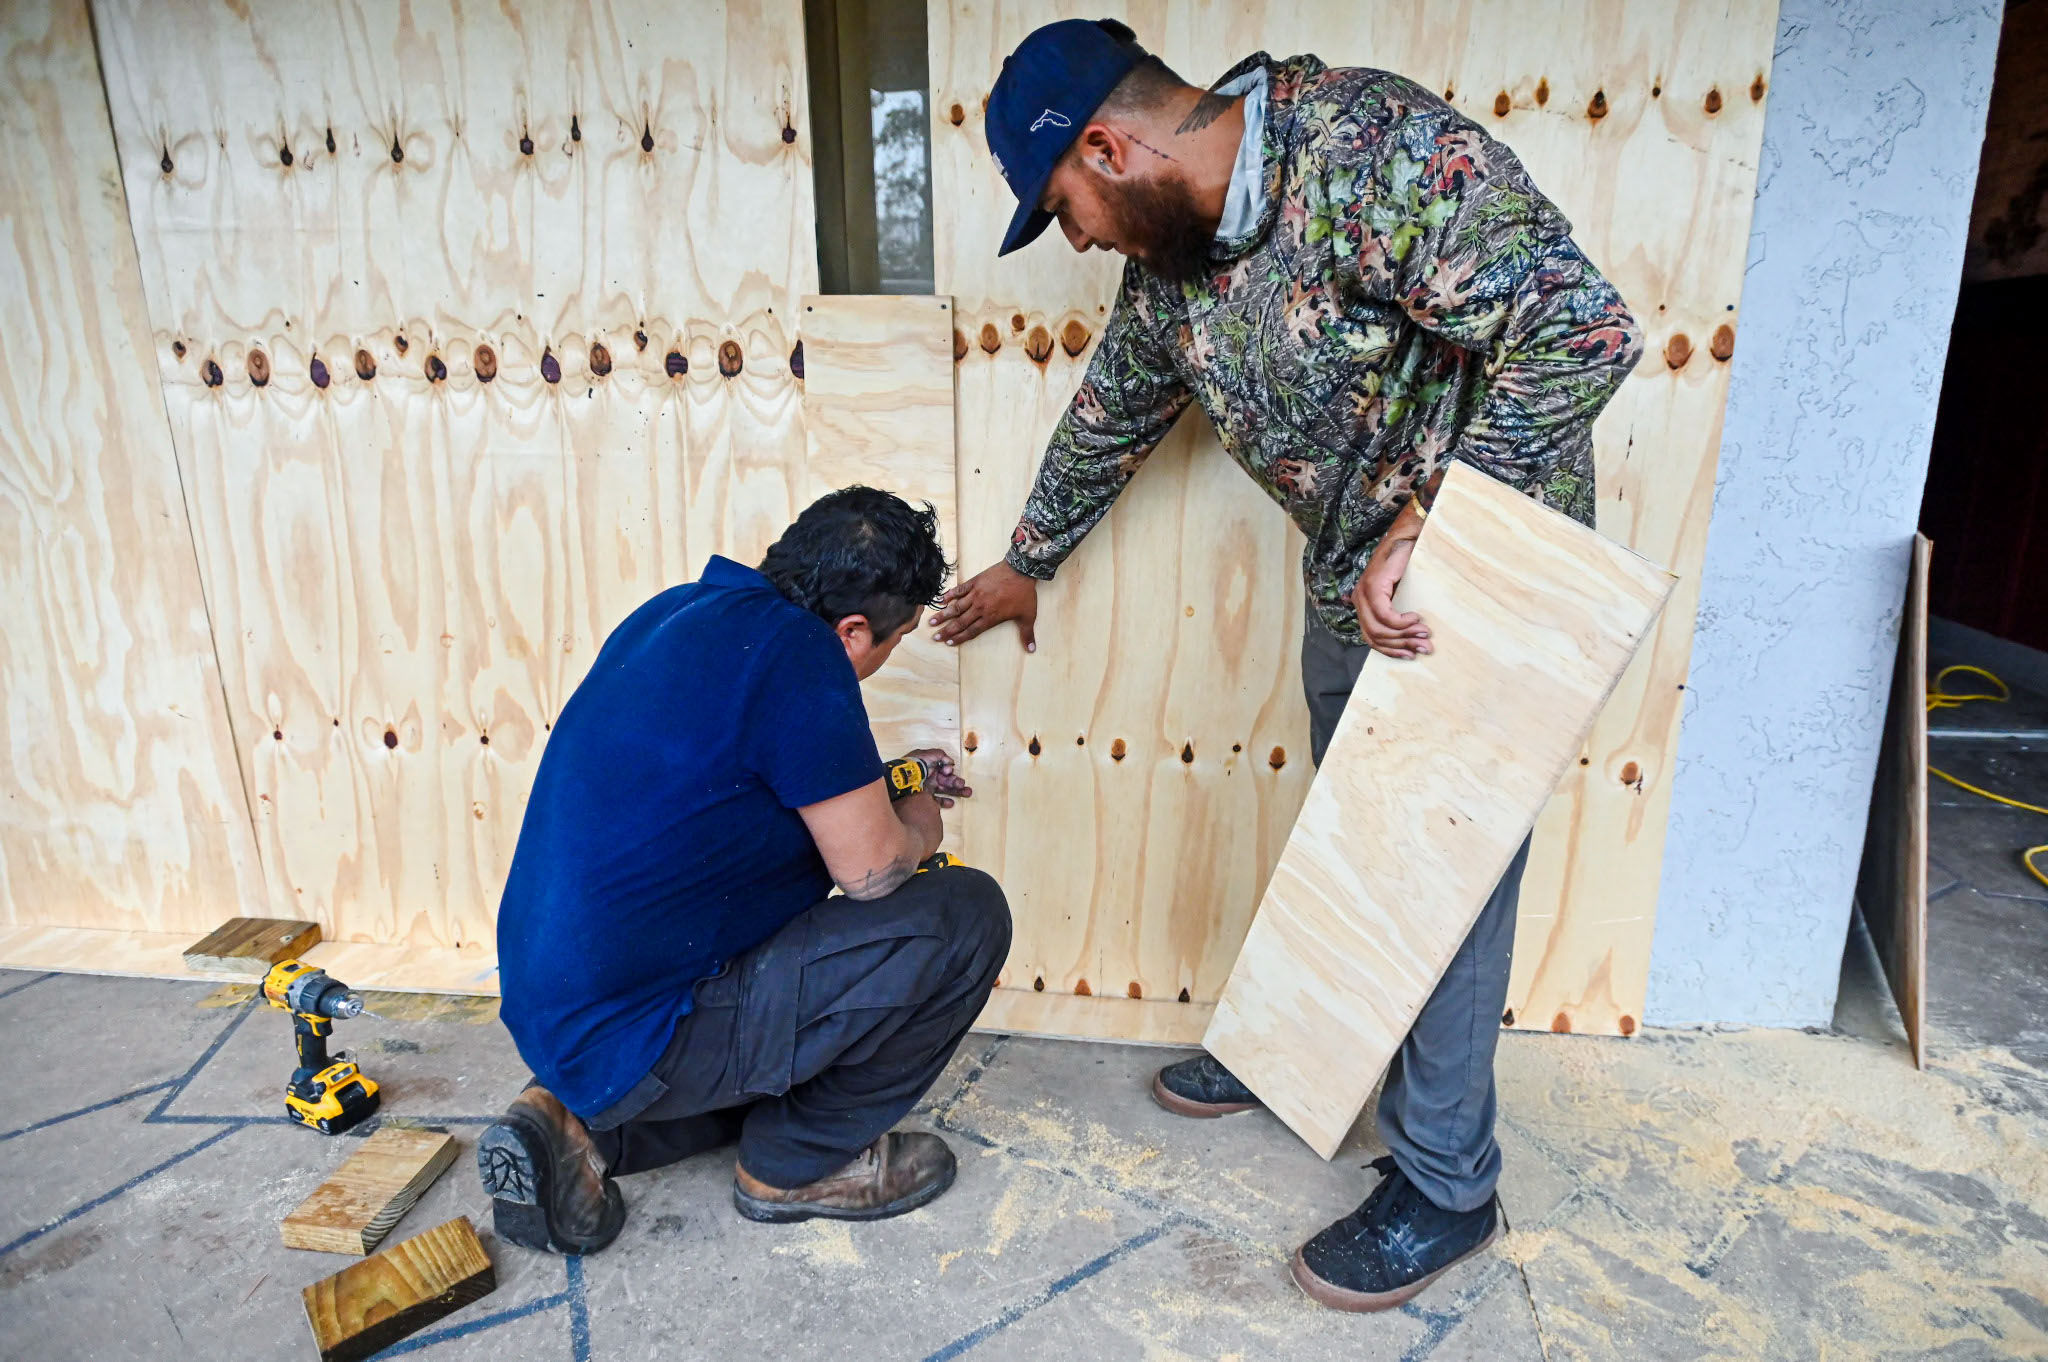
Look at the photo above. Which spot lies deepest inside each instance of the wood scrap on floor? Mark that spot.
(368, 1306)
(1435, 775)
(355, 1208)
(251, 945)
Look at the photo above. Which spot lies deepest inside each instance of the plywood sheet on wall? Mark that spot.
(475, 325)
(878, 410)
(1434, 776)
(1174, 629)
(124, 809)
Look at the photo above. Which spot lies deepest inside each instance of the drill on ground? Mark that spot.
(328, 1093)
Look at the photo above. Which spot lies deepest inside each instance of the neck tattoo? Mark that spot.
(1210, 107)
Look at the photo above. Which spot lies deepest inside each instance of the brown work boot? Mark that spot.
(546, 1179)
(897, 1173)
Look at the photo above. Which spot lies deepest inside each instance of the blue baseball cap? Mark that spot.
(1049, 88)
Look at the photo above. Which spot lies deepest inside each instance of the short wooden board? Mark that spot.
(368, 1306)
(1434, 776)
(1892, 885)
(251, 945)
(354, 1209)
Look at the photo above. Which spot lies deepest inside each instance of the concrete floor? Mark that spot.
(1680, 1195)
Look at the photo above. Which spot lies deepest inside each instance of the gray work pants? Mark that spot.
(1437, 1107)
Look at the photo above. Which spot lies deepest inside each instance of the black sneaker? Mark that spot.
(547, 1182)
(1391, 1247)
(1201, 1087)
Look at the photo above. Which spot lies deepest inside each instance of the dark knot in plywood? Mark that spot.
(284, 155)
(397, 152)
(1134, 990)
(1081, 989)
(796, 360)
(1596, 107)
(1756, 96)
(675, 365)
(401, 342)
(640, 340)
(1723, 345)
(486, 363)
(259, 368)
(1561, 1024)
(526, 144)
(390, 738)
(788, 134)
(1277, 758)
(731, 359)
(1184, 996)
(600, 359)
(1033, 746)
(178, 348)
(1038, 345)
(1543, 90)
(1038, 984)
(972, 742)
(646, 138)
(166, 165)
(1502, 104)
(1677, 350)
(1117, 750)
(959, 345)
(956, 115)
(210, 371)
(1187, 753)
(575, 129)
(550, 367)
(991, 339)
(330, 141)
(318, 370)
(436, 369)
(1712, 103)
(1074, 337)
(366, 367)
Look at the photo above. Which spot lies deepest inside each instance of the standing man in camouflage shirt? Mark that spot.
(1359, 286)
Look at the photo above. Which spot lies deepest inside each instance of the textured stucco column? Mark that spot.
(1863, 200)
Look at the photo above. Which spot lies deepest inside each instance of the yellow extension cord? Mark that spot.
(1939, 697)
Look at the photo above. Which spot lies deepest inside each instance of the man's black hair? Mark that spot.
(1146, 86)
(859, 551)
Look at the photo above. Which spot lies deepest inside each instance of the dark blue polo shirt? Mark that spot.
(662, 837)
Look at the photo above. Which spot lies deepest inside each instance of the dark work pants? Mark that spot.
(1437, 1105)
(821, 1038)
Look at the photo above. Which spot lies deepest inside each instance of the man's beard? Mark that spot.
(1165, 230)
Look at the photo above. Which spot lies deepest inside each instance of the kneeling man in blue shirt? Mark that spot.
(675, 968)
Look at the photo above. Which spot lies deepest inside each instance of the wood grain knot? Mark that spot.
(1713, 101)
(991, 339)
(1277, 758)
(1543, 91)
(1627, 1025)
(1723, 345)
(972, 742)
(600, 359)
(397, 152)
(788, 134)
(284, 156)
(401, 342)
(1596, 107)
(956, 115)
(330, 141)
(1038, 984)
(1449, 94)
(676, 365)
(277, 734)
(525, 144)
(1756, 96)
(484, 739)
(731, 359)
(1656, 91)
(1132, 990)
(178, 348)
(259, 368)
(486, 363)
(1038, 345)
(550, 367)
(959, 345)
(437, 370)
(575, 129)
(1117, 750)
(1081, 989)
(318, 370)
(1502, 104)
(1080, 740)
(640, 341)
(1184, 996)
(1187, 753)
(796, 359)
(1677, 350)
(1631, 773)
(1561, 1024)
(1507, 1018)
(1016, 321)
(165, 165)
(646, 138)
(390, 738)
(210, 371)
(1033, 748)
(1074, 337)
(366, 368)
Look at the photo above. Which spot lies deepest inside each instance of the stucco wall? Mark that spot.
(1863, 200)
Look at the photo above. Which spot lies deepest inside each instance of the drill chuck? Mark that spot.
(318, 994)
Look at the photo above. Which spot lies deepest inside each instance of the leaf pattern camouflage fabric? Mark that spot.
(1406, 298)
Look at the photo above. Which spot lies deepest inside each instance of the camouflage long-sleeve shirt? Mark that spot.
(1406, 298)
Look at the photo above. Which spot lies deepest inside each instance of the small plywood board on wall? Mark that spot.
(1434, 776)
(1136, 777)
(1892, 886)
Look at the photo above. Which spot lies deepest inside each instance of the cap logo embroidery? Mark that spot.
(1051, 118)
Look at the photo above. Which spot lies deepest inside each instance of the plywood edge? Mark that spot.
(1067, 1016)
(161, 955)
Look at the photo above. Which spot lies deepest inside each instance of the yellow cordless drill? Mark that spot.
(907, 776)
(328, 1093)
